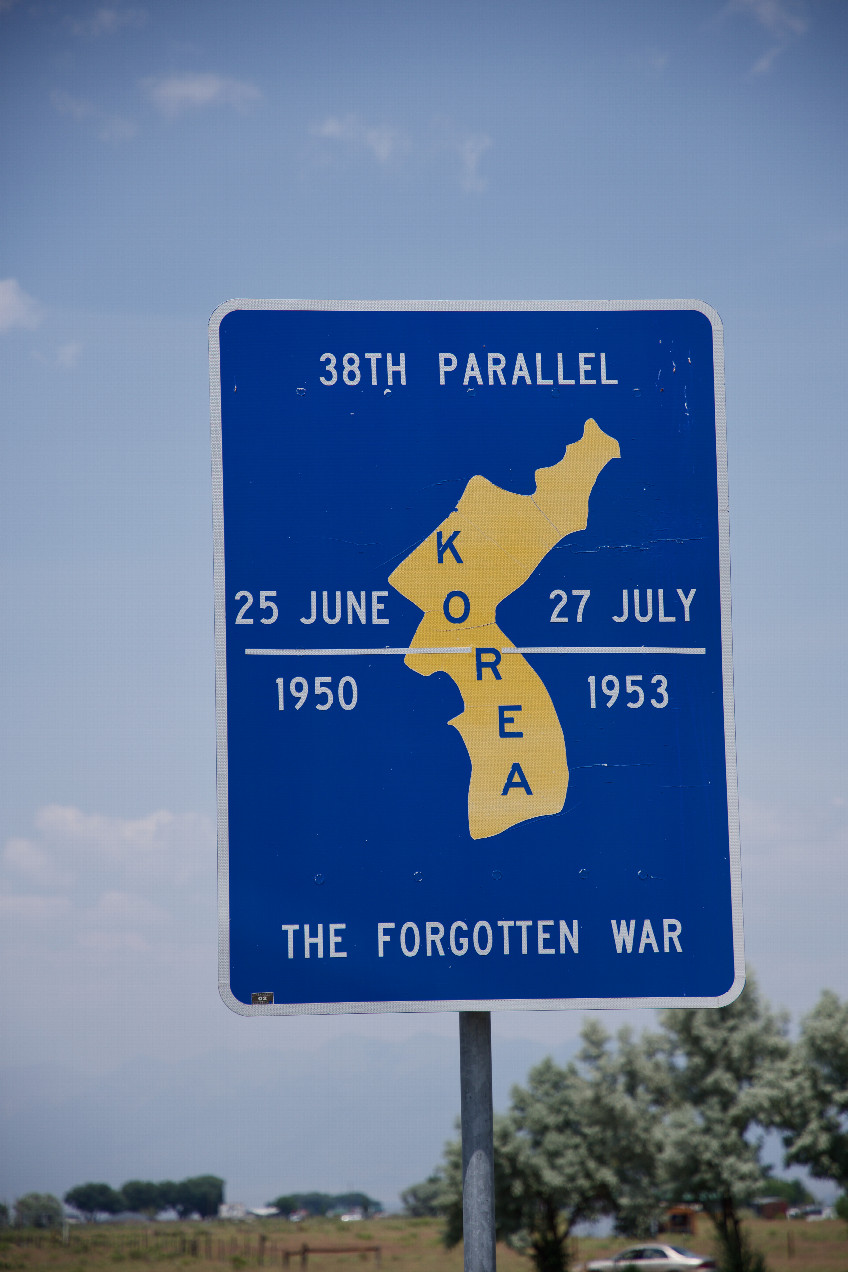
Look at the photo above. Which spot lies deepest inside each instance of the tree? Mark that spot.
(425, 1200)
(200, 1195)
(316, 1203)
(93, 1199)
(811, 1096)
(168, 1194)
(629, 1098)
(4, 1215)
(719, 1076)
(313, 1203)
(791, 1190)
(346, 1202)
(578, 1142)
(144, 1197)
(38, 1210)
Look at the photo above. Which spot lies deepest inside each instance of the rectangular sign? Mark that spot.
(475, 713)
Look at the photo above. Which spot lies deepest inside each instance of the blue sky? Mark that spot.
(160, 159)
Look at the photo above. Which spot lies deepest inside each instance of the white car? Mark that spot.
(653, 1258)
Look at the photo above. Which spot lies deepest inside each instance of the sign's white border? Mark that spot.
(497, 1004)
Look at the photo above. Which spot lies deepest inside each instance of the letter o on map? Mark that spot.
(478, 927)
(458, 946)
(410, 927)
(466, 607)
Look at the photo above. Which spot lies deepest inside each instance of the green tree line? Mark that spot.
(676, 1115)
(200, 1195)
(318, 1203)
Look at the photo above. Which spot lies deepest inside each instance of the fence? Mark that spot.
(208, 1245)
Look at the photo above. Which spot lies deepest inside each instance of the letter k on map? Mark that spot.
(489, 546)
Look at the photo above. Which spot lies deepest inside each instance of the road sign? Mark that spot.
(475, 717)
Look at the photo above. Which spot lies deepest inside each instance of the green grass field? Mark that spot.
(413, 1244)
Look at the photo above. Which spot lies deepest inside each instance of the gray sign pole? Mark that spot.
(478, 1169)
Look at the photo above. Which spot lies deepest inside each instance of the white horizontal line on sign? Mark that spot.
(508, 649)
(600, 649)
(466, 649)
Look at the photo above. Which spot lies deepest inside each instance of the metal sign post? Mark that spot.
(474, 687)
(478, 1150)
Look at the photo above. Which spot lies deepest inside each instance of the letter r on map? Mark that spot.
(486, 662)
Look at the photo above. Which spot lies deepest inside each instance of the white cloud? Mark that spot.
(32, 908)
(108, 20)
(765, 63)
(109, 127)
(65, 358)
(66, 104)
(116, 128)
(471, 147)
(174, 94)
(457, 142)
(384, 141)
(162, 848)
(775, 16)
(17, 309)
(125, 909)
(83, 885)
(387, 144)
(98, 909)
(109, 869)
(34, 864)
(819, 838)
(783, 22)
(68, 355)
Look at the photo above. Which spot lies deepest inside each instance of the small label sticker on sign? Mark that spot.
(261, 1000)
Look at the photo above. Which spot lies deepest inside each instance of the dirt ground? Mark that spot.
(386, 1245)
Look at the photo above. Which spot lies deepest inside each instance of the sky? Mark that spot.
(160, 159)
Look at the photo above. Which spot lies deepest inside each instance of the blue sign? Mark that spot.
(475, 715)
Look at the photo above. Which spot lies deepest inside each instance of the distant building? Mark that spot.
(232, 1210)
(770, 1207)
(681, 1220)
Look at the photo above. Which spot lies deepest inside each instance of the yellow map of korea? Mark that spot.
(489, 545)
